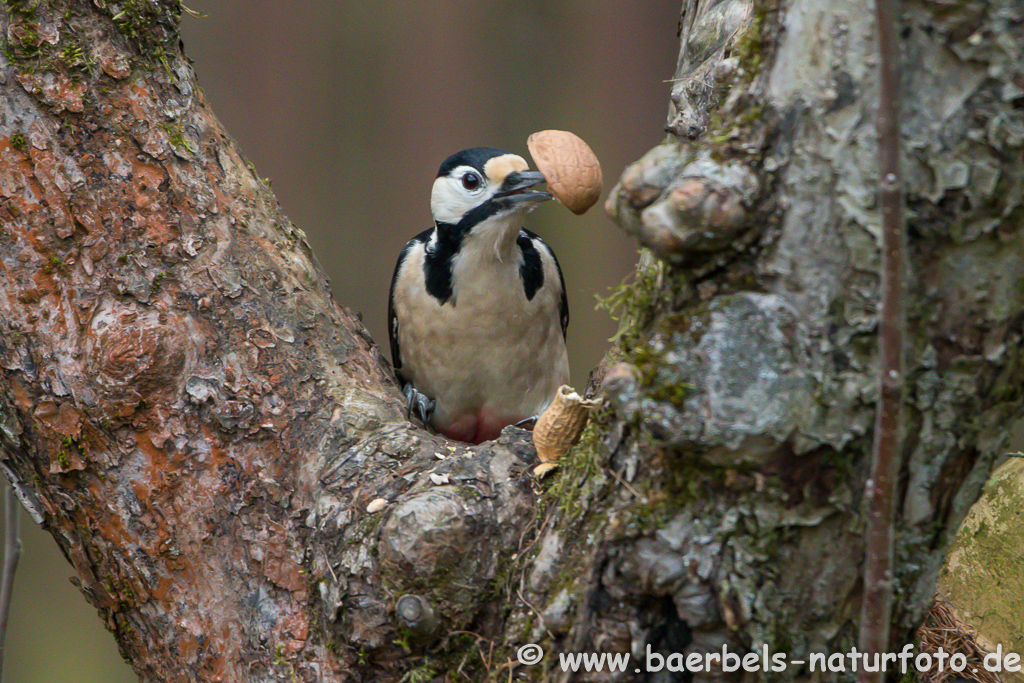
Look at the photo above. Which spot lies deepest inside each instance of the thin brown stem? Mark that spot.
(12, 553)
(876, 607)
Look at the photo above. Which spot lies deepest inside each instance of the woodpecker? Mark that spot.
(477, 313)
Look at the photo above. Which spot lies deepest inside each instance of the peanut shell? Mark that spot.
(570, 167)
(561, 424)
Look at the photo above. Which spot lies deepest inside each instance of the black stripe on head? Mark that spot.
(475, 216)
(531, 270)
(475, 157)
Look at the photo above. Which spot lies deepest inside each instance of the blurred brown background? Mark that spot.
(349, 108)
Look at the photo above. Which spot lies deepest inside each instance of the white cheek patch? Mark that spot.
(448, 202)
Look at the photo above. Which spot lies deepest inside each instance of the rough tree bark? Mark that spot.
(204, 430)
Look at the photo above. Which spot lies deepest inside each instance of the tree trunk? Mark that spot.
(221, 453)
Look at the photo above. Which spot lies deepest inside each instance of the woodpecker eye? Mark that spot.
(471, 181)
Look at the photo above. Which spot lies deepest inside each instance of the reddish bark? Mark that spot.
(172, 362)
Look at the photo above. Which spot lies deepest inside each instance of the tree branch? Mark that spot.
(219, 449)
(876, 606)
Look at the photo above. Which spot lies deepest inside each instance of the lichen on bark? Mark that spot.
(767, 316)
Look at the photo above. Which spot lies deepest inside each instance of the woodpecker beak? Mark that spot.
(515, 189)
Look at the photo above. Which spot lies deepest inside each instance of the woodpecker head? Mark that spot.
(477, 185)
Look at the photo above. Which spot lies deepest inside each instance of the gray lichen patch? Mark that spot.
(748, 355)
(747, 374)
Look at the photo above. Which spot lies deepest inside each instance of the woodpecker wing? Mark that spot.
(396, 352)
(532, 272)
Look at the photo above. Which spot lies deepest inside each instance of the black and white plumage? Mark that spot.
(477, 313)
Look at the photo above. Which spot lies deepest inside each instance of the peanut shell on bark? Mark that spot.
(560, 425)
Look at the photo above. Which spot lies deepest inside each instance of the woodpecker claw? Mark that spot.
(528, 423)
(424, 405)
